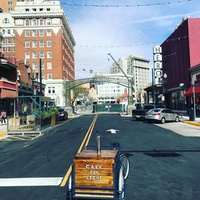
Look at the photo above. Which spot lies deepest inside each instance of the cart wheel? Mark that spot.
(69, 194)
(125, 165)
(121, 183)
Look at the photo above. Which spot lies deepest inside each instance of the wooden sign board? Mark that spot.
(95, 171)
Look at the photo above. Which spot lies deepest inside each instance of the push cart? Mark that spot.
(98, 174)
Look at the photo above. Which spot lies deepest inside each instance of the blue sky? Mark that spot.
(121, 28)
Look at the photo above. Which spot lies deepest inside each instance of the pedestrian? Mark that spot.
(73, 106)
(3, 117)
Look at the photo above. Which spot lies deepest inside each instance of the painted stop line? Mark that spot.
(14, 182)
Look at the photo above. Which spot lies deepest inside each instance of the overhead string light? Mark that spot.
(129, 5)
(130, 45)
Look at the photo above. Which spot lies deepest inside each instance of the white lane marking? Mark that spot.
(14, 182)
(113, 131)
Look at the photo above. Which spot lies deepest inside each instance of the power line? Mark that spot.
(128, 5)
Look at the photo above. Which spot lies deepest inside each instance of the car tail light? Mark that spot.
(156, 114)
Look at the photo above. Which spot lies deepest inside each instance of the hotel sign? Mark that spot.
(158, 73)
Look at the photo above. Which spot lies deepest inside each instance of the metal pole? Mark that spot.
(40, 76)
(153, 86)
(194, 98)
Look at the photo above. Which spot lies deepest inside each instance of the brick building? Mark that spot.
(42, 32)
(8, 5)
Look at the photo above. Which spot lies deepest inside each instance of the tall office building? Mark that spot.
(138, 68)
(42, 32)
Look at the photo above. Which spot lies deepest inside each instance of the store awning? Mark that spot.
(189, 92)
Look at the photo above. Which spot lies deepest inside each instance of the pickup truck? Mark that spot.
(139, 114)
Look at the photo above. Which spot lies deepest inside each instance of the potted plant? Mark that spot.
(54, 116)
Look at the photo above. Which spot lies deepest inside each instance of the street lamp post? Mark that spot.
(35, 77)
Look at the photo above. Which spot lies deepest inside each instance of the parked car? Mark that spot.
(62, 114)
(140, 112)
(161, 115)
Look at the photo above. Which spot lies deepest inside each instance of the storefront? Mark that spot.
(193, 92)
(8, 85)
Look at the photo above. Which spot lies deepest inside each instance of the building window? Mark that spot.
(34, 54)
(49, 65)
(27, 9)
(49, 54)
(41, 54)
(27, 33)
(9, 9)
(41, 22)
(48, 9)
(34, 22)
(34, 9)
(53, 89)
(8, 49)
(49, 76)
(41, 43)
(6, 21)
(41, 32)
(34, 43)
(3, 49)
(34, 33)
(34, 65)
(48, 43)
(48, 32)
(49, 90)
(13, 49)
(27, 44)
(8, 31)
(27, 55)
(9, 40)
(27, 22)
(9, 3)
(41, 9)
(48, 21)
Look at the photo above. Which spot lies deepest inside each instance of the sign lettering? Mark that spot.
(93, 171)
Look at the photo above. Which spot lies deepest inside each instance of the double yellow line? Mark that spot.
(83, 144)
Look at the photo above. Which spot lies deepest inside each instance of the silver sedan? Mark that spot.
(162, 115)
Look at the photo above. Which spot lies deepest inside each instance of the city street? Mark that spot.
(164, 158)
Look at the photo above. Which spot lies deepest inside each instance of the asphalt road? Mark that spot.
(164, 162)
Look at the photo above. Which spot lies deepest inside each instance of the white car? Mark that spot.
(162, 115)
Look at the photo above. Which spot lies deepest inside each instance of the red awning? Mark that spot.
(189, 92)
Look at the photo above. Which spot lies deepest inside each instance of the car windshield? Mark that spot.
(60, 110)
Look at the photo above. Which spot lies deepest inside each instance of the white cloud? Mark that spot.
(99, 31)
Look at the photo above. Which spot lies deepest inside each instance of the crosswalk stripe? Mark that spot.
(42, 181)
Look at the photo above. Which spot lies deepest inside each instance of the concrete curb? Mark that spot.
(192, 123)
(2, 134)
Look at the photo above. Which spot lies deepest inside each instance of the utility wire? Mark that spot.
(128, 5)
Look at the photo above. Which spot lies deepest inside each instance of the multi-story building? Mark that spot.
(8, 5)
(138, 68)
(43, 33)
(7, 30)
(180, 52)
(109, 92)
